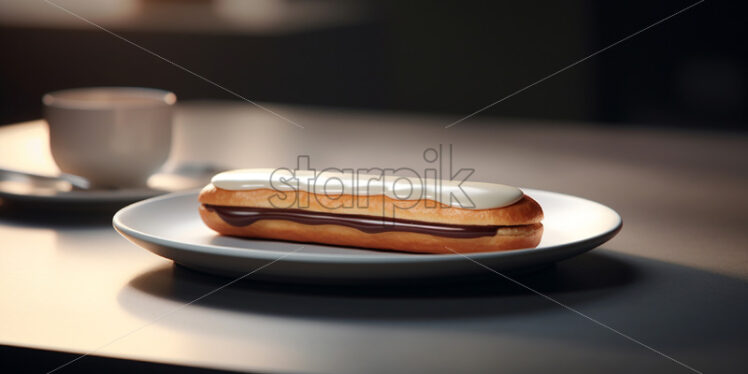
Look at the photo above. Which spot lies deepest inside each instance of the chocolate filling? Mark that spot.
(245, 216)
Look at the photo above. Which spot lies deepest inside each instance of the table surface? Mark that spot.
(675, 278)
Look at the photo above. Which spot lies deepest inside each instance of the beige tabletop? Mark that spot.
(675, 279)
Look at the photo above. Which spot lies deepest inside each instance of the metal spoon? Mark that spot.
(45, 180)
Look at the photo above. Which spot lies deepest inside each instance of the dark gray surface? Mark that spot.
(674, 279)
(491, 324)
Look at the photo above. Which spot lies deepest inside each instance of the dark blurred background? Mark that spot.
(450, 57)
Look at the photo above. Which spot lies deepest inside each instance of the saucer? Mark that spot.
(14, 193)
(17, 192)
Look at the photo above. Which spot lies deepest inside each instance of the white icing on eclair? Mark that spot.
(466, 195)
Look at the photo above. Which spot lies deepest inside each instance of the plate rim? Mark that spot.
(395, 257)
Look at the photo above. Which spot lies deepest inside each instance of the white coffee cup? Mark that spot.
(116, 137)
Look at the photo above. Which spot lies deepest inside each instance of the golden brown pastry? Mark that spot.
(236, 204)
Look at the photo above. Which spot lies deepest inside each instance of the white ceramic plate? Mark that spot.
(170, 226)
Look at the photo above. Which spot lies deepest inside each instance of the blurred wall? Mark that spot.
(450, 57)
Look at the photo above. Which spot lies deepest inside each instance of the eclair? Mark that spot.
(371, 211)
